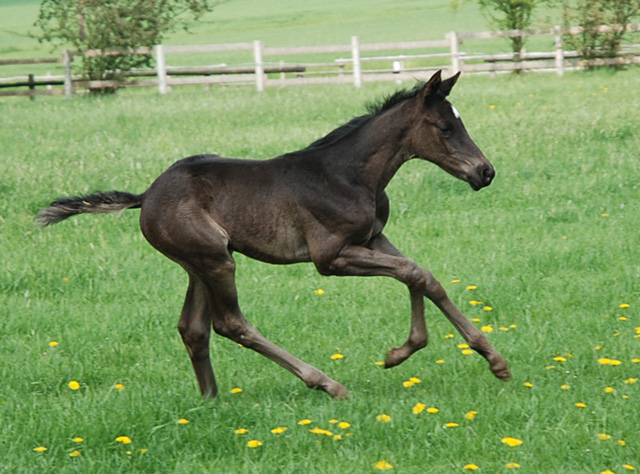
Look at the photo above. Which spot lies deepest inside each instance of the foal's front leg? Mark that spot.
(382, 259)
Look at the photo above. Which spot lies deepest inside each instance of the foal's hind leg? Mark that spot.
(195, 329)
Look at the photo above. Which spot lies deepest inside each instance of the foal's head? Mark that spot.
(438, 135)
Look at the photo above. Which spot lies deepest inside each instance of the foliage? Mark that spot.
(590, 14)
(113, 25)
(551, 247)
(510, 15)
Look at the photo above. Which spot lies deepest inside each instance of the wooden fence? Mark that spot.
(349, 63)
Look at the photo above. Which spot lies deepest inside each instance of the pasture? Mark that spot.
(545, 261)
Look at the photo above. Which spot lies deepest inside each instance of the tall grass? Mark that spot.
(551, 248)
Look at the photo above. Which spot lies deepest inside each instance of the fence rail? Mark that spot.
(402, 60)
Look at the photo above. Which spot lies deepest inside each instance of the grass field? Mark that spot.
(551, 247)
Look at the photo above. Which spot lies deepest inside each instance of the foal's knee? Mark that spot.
(423, 280)
(196, 339)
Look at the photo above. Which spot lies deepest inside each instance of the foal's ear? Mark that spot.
(447, 84)
(430, 89)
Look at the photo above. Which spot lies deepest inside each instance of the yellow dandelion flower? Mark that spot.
(320, 431)
(449, 336)
(337, 356)
(451, 425)
(380, 363)
(78, 439)
(615, 362)
(408, 383)
(306, 421)
(455, 281)
(623, 318)
(635, 361)
(333, 421)
(624, 305)
(319, 291)
(119, 386)
(608, 471)
(622, 442)
(560, 359)
(475, 303)
(471, 467)
(471, 287)
(487, 328)
(609, 390)
(440, 361)
(528, 384)
(580, 405)
(40, 449)
(631, 381)
(54, 343)
(73, 385)
(123, 439)
(512, 465)
(241, 431)
(488, 308)
(604, 436)
(471, 415)
(565, 387)
(629, 467)
(383, 465)
(509, 441)
(279, 430)
(383, 418)
(493, 107)
(418, 408)
(466, 352)
(74, 454)
(475, 320)
(141, 450)
(463, 346)
(432, 410)
(502, 328)
(236, 390)
(254, 443)
(183, 421)
(415, 380)
(344, 425)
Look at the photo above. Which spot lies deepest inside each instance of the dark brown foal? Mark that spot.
(324, 204)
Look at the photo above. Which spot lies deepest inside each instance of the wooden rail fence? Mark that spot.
(355, 63)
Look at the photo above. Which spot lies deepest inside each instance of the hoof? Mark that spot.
(394, 357)
(501, 371)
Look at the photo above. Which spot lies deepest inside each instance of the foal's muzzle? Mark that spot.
(481, 176)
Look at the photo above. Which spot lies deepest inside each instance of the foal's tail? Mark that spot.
(111, 201)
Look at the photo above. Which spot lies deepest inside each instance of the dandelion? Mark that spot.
(183, 421)
(432, 410)
(320, 431)
(493, 107)
(475, 303)
(631, 381)
(623, 305)
(54, 343)
(78, 439)
(451, 425)
(440, 361)
(337, 356)
(383, 465)
(629, 467)
(503, 328)
(471, 467)
(123, 439)
(415, 380)
(344, 425)
(40, 449)
(580, 405)
(254, 443)
(608, 471)
(604, 436)
(241, 431)
(512, 465)
(560, 359)
(565, 387)
(74, 454)
(418, 408)
(380, 363)
(471, 287)
(408, 383)
(487, 328)
(528, 384)
(512, 442)
(383, 418)
(488, 308)
(471, 415)
(119, 386)
(609, 390)
(279, 430)
(236, 390)
(466, 352)
(449, 336)
(455, 281)
(622, 442)
(319, 291)
(635, 361)
(306, 421)
(73, 385)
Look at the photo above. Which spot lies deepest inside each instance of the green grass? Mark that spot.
(551, 246)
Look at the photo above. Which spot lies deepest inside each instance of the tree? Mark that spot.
(113, 25)
(509, 15)
(590, 14)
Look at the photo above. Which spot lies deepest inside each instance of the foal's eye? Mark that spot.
(444, 128)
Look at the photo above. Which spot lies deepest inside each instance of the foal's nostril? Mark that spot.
(487, 173)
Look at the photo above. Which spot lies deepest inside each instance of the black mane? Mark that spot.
(374, 109)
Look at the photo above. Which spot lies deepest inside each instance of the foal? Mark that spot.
(324, 204)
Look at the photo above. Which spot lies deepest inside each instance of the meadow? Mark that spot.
(545, 261)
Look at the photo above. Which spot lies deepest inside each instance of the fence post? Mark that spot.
(455, 52)
(68, 78)
(161, 67)
(258, 48)
(559, 52)
(357, 66)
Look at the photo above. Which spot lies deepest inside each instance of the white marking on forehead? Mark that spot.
(455, 112)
